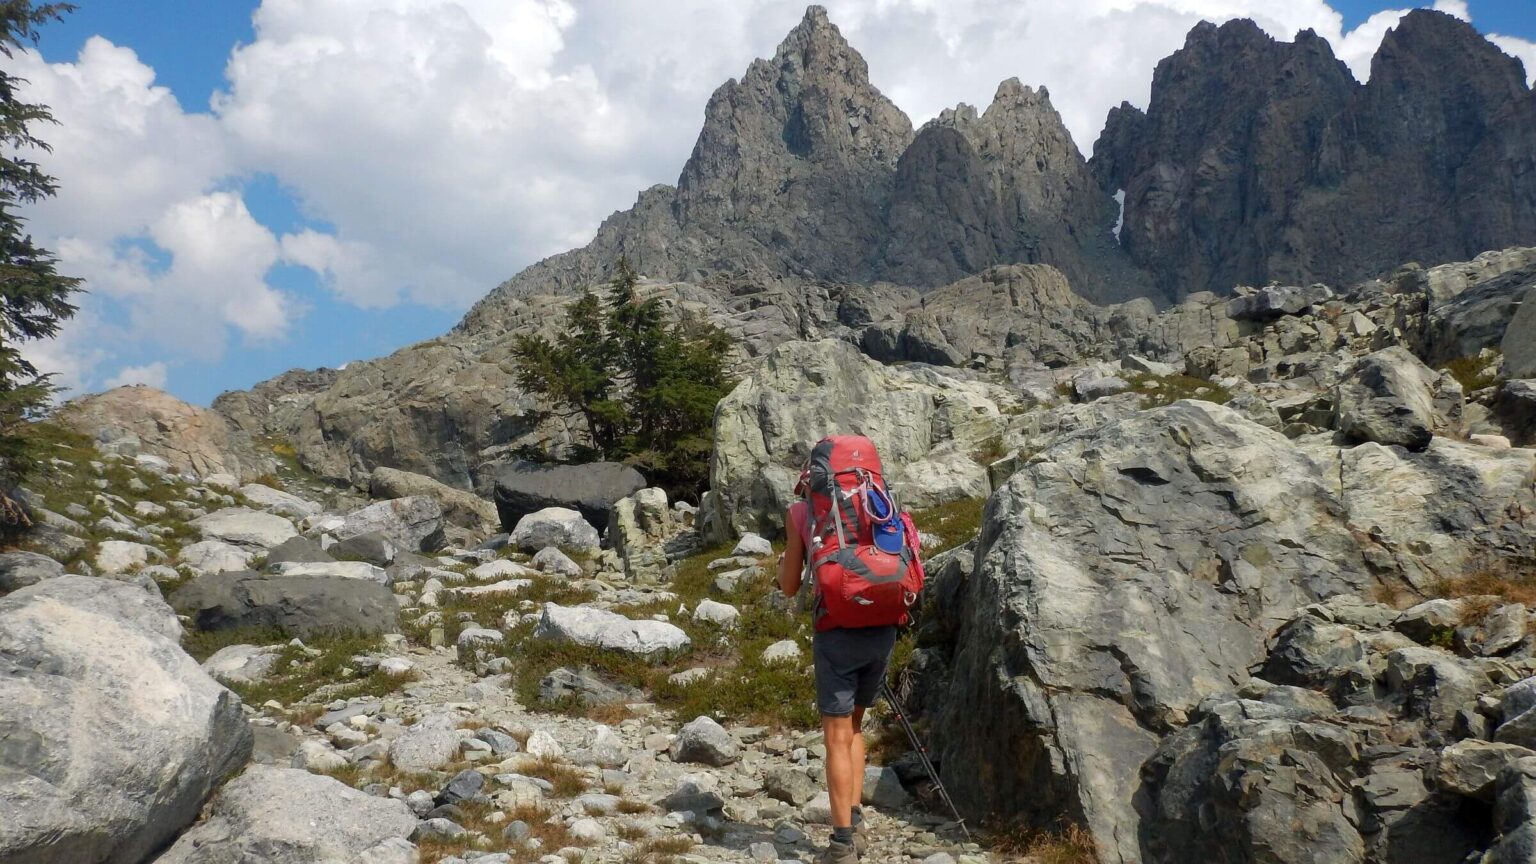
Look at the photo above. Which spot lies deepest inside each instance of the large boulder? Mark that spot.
(242, 526)
(414, 523)
(290, 816)
(924, 422)
(591, 490)
(609, 631)
(138, 419)
(557, 527)
(299, 605)
(111, 736)
(1390, 397)
(461, 508)
(1125, 574)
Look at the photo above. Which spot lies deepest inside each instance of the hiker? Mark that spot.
(861, 554)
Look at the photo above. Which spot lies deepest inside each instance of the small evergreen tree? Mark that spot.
(644, 387)
(34, 298)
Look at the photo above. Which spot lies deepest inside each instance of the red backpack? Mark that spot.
(863, 550)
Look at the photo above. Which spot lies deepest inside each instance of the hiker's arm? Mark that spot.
(791, 563)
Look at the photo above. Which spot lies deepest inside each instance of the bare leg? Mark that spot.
(856, 743)
(841, 792)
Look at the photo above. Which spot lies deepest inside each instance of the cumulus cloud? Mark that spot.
(436, 147)
(150, 374)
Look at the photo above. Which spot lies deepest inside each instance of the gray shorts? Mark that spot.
(850, 665)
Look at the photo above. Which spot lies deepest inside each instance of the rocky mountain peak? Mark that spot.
(812, 101)
(1427, 44)
(1262, 160)
(1007, 185)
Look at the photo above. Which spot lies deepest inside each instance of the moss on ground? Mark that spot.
(955, 523)
(1159, 390)
(1477, 372)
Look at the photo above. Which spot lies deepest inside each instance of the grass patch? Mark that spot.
(743, 688)
(488, 610)
(297, 675)
(1071, 844)
(1478, 372)
(92, 489)
(990, 450)
(553, 835)
(567, 780)
(1159, 390)
(202, 644)
(660, 850)
(1511, 581)
(955, 523)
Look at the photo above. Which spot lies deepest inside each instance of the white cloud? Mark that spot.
(150, 375)
(445, 144)
(1522, 49)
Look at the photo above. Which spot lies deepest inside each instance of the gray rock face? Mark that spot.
(1212, 201)
(1519, 343)
(1390, 397)
(1514, 813)
(1008, 185)
(607, 630)
(290, 816)
(1286, 790)
(1435, 515)
(1125, 574)
(924, 423)
(114, 736)
(300, 605)
(591, 490)
(1516, 410)
(1470, 305)
(20, 569)
(139, 419)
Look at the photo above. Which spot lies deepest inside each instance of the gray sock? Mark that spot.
(843, 835)
(858, 816)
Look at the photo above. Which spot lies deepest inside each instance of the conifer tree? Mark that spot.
(644, 386)
(34, 298)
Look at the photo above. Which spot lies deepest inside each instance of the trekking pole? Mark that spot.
(922, 755)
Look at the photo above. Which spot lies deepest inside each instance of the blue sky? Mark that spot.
(252, 187)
